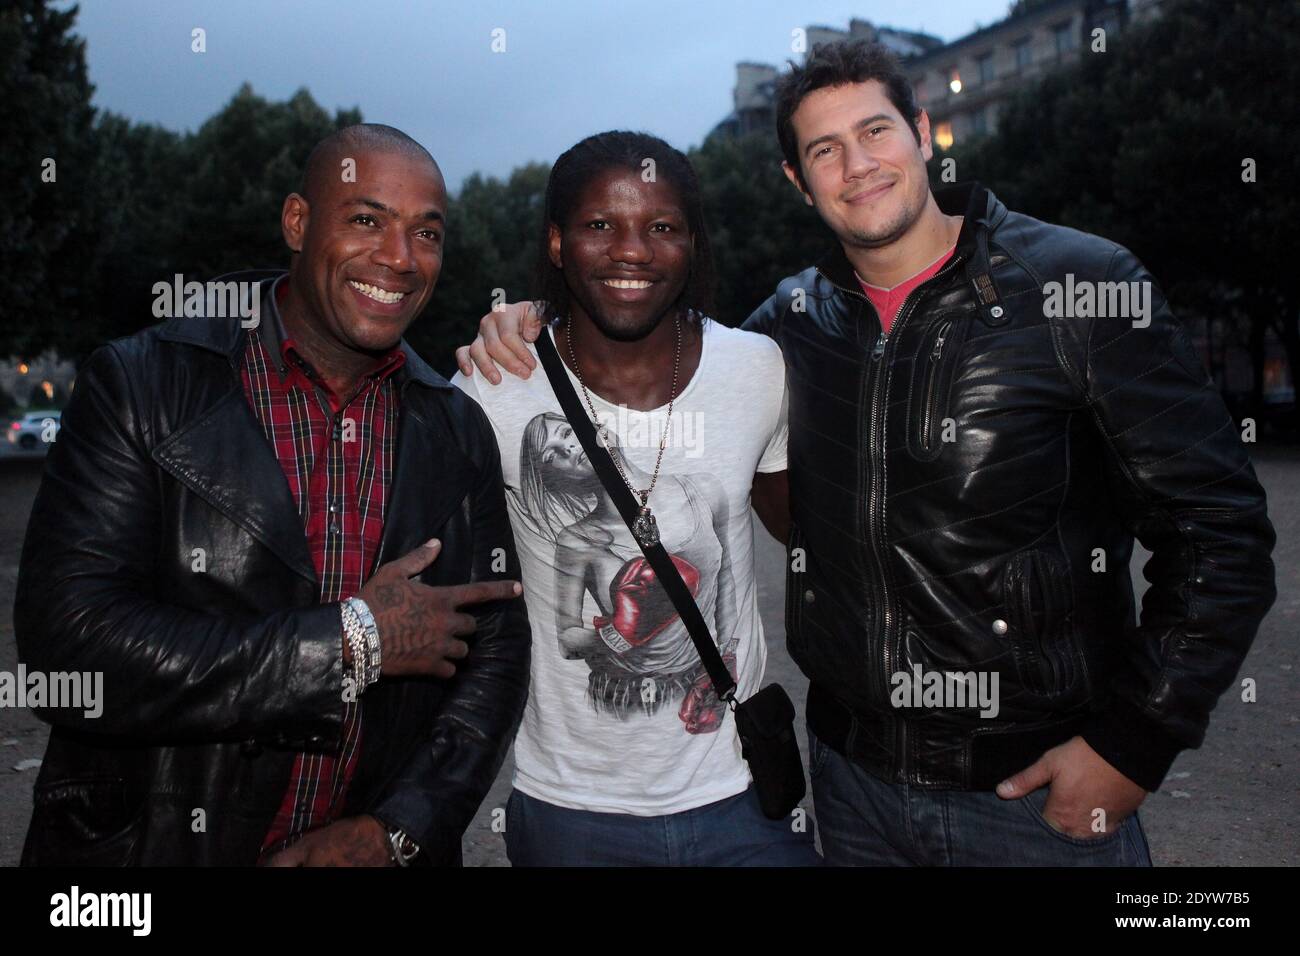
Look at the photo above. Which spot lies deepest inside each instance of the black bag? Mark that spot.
(765, 722)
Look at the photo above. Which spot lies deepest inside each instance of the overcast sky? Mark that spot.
(570, 68)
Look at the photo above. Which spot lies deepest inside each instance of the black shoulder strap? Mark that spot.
(628, 508)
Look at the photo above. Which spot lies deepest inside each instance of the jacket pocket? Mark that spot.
(84, 822)
(933, 370)
(1036, 592)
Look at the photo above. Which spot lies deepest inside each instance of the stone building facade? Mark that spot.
(962, 84)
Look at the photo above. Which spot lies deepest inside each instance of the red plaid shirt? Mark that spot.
(338, 460)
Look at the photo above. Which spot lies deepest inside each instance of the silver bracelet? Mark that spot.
(372, 637)
(368, 639)
(355, 634)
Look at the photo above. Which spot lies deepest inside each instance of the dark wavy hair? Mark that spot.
(621, 149)
(840, 64)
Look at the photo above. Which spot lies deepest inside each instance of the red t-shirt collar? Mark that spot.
(889, 301)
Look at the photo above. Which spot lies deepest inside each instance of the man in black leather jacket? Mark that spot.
(966, 487)
(984, 411)
(166, 551)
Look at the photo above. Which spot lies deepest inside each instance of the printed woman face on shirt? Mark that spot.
(558, 486)
(553, 454)
(562, 456)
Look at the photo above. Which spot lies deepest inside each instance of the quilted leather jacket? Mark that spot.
(966, 491)
(214, 680)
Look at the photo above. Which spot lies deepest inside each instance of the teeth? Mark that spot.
(627, 283)
(378, 294)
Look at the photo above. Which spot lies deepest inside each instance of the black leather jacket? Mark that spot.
(965, 494)
(214, 678)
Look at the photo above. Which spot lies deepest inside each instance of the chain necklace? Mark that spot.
(645, 528)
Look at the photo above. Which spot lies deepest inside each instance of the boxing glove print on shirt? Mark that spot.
(642, 608)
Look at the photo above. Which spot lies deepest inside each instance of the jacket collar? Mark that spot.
(982, 212)
(226, 336)
(223, 456)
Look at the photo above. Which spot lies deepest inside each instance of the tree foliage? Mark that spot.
(493, 228)
(129, 204)
(1144, 143)
(760, 229)
(1152, 144)
(47, 119)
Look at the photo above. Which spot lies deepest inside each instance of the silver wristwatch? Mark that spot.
(401, 847)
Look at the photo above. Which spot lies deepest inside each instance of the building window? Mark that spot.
(1024, 54)
(979, 124)
(943, 135)
(985, 64)
(1064, 37)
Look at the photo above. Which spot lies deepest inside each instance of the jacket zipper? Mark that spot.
(875, 527)
(876, 530)
(932, 384)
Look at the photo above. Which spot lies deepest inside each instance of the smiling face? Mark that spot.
(370, 250)
(625, 252)
(862, 167)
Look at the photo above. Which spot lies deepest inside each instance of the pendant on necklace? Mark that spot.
(645, 528)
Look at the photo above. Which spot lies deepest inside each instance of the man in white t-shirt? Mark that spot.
(625, 754)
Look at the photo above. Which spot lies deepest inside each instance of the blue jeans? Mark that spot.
(730, 832)
(865, 821)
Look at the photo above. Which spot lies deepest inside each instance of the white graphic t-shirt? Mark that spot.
(622, 717)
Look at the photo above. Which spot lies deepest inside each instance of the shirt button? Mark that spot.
(334, 529)
(809, 597)
(1000, 626)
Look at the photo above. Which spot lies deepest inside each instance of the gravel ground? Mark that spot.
(1232, 802)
